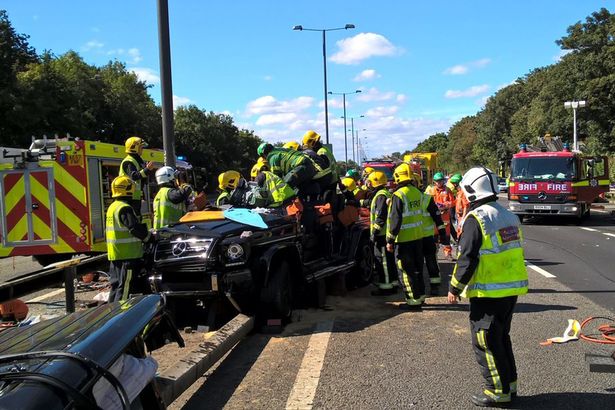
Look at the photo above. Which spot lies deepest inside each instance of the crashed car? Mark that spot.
(262, 269)
(94, 358)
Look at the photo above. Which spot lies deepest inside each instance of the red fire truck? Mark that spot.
(561, 182)
(385, 166)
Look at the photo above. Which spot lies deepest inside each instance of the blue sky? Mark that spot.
(420, 66)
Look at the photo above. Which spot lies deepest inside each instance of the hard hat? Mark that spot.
(264, 149)
(135, 145)
(310, 138)
(368, 170)
(438, 176)
(455, 179)
(228, 180)
(294, 145)
(353, 173)
(402, 173)
(377, 179)
(479, 183)
(122, 186)
(349, 183)
(261, 165)
(165, 175)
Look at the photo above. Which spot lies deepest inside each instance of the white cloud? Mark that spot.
(373, 94)
(381, 111)
(146, 75)
(269, 105)
(334, 103)
(92, 45)
(132, 55)
(468, 92)
(268, 78)
(460, 69)
(367, 75)
(355, 49)
(401, 98)
(135, 56)
(281, 118)
(179, 101)
(561, 54)
(483, 100)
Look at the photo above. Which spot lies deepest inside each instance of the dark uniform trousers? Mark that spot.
(409, 257)
(430, 254)
(123, 278)
(490, 320)
(386, 270)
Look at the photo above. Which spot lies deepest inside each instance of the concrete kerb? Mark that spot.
(178, 378)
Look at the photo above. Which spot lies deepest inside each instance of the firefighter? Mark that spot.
(261, 165)
(227, 182)
(404, 234)
(311, 140)
(379, 210)
(490, 272)
(432, 221)
(125, 238)
(461, 210)
(296, 168)
(294, 145)
(136, 169)
(445, 201)
(453, 185)
(273, 190)
(171, 201)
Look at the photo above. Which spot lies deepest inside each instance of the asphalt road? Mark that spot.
(365, 352)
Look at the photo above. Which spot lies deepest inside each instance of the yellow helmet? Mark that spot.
(310, 138)
(377, 179)
(123, 186)
(294, 145)
(349, 183)
(228, 180)
(135, 145)
(261, 165)
(402, 173)
(367, 171)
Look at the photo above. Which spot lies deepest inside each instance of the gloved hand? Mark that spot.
(443, 238)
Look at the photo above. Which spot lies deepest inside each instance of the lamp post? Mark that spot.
(345, 129)
(574, 105)
(324, 62)
(166, 87)
(352, 134)
(359, 149)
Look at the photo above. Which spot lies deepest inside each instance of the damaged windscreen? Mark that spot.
(543, 168)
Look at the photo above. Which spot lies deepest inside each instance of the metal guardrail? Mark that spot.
(51, 275)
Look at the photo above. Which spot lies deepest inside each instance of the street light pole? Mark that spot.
(345, 129)
(352, 134)
(324, 63)
(574, 105)
(168, 139)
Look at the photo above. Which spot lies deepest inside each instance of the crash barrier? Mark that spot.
(177, 379)
(51, 275)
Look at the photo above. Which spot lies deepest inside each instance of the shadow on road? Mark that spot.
(572, 400)
(542, 262)
(536, 307)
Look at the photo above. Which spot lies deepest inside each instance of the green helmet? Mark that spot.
(455, 179)
(353, 173)
(264, 149)
(438, 176)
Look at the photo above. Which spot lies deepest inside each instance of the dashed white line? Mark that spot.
(541, 271)
(589, 229)
(609, 234)
(304, 389)
(45, 296)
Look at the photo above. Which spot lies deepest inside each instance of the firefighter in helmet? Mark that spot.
(444, 199)
(170, 203)
(227, 182)
(136, 168)
(294, 145)
(261, 165)
(125, 238)
(273, 190)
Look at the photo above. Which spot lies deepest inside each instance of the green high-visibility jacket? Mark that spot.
(411, 227)
(165, 211)
(276, 190)
(121, 244)
(374, 211)
(138, 190)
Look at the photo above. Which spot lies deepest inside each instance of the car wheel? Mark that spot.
(363, 271)
(276, 298)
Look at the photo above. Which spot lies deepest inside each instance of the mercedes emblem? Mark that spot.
(542, 195)
(179, 248)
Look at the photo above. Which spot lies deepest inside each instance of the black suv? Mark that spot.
(254, 267)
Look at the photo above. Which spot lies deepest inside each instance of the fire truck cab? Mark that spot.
(550, 183)
(54, 196)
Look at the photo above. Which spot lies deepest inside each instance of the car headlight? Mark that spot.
(235, 252)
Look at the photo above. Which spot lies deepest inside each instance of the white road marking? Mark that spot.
(589, 229)
(304, 389)
(46, 296)
(609, 234)
(541, 271)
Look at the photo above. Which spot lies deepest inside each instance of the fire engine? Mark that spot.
(54, 196)
(424, 164)
(553, 180)
(386, 166)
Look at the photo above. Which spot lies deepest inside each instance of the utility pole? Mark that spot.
(166, 86)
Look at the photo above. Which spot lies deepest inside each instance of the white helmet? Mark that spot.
(165, 175)
(479, 183)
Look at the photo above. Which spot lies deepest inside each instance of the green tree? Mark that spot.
(434, 143)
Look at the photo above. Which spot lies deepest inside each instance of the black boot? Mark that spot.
(483, 400)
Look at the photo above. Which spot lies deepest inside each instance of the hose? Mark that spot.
(606, 331)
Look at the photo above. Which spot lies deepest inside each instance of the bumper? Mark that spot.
(519, 208)
(212, 285)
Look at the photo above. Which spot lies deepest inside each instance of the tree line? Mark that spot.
(44, 94)
(533, 105)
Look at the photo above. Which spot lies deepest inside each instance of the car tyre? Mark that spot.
(276, 298)
(363, 272)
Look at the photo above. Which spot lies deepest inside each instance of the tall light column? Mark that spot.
(574, 105)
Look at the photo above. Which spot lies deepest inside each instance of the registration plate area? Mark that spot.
(542, 207)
